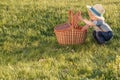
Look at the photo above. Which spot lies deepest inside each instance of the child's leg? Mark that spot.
(94, 35)
(107, 35)
(99, 37)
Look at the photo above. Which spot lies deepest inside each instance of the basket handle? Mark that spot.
(74, 19)
(77, 19)
(71, 18)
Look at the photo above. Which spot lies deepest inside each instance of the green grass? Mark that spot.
(29, 49)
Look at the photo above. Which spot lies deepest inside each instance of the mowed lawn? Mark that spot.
(29, 49)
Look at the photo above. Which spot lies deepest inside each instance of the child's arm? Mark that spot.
(88, 22)
(92, 24)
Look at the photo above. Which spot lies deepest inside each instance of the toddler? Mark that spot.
(102, 31)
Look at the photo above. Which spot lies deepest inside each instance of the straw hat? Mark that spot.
(97, 11)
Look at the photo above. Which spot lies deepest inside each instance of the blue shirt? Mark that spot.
(102, 25)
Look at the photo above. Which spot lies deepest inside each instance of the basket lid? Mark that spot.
(62, 26)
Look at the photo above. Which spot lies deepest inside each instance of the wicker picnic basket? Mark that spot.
(70, 33)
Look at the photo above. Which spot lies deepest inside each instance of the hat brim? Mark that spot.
(99, 17)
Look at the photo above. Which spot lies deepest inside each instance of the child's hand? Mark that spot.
(88, 22)
(85, 27)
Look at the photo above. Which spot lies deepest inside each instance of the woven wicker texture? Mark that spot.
(70, 33)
